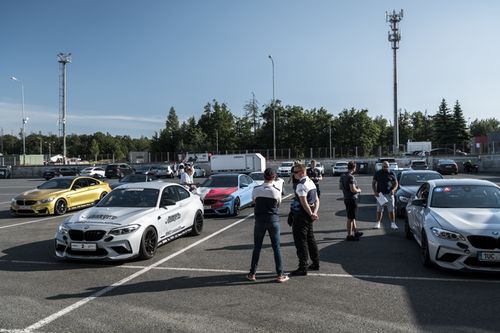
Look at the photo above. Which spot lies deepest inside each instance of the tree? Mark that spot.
(405, 127)
(94, 149)
(484, 126)
(252, 113)
(442, 123)
(460, 132)
(421, 125)
(354, 128)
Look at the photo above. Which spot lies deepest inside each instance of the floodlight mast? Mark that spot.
(63, 60)
(394, 37)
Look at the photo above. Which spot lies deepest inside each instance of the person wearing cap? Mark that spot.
(267, 199)
(304, 209)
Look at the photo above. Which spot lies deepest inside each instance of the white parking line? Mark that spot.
(32, 221)
(146, 269)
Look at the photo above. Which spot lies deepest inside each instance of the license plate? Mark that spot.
(24, 207)
(83, 247)
(488, 256)
(207, 207)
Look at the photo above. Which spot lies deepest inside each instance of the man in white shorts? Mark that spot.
(384, 186)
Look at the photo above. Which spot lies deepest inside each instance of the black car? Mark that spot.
(5, 172)
(132, 178)
(118, 170)
(58, 172)
(447, 167)
(409, 183)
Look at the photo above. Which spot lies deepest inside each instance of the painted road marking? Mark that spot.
(32, 221)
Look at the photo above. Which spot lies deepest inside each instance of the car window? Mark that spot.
(245, 180)
(169, 193)
(93, 182)
(80, 183)
(257, 176)
(466, 196)
(58, 183)
(221, 181)
(130, 197)
(182, 192)
(423, 192)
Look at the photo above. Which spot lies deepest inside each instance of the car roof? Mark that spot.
(463, 181)
(151, 185)
(226, 174)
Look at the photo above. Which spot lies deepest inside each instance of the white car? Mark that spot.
(393, 165)
(285, 169)
(95, 172)
(258, 177)
(198, 172)
(456, 222)
(319, 167)
(339, 168)
(131, 221)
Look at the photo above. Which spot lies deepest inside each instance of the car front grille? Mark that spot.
(25, 202)
(474, 262)
(209, 201)
(91, 235)
(484, 242)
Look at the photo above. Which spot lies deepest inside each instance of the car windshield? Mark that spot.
(287, 164)
(466, 196)
(221, 181)
(87, 169)
(257, 176)
(134, 178)
(59, 183)
(130, 197)
(341, 164)
(143, 169)
(446, 162)
(416, 179)
(418, 163)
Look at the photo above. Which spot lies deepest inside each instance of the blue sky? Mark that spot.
(133, 60)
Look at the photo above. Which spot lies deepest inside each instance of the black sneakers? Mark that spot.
(313, 267)
(351, 238)
(358, 234)
(298, 272)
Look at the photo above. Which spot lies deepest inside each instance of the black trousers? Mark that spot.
(305, 243)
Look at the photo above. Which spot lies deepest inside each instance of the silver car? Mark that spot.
(456, 222)
(131, 221)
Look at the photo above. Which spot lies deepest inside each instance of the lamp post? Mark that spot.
(274, 113)
(25, 120)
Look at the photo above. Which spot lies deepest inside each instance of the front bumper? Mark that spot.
(211, 207)
(34, 209)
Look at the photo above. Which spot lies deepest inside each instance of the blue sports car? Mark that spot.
(226, 194)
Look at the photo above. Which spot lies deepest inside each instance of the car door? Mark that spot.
(245, 184)
(416, 214)
(170, 212)
(79, 193)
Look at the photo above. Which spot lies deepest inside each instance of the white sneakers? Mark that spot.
(393, 226)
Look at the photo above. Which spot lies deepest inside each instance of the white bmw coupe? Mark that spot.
(131, 221)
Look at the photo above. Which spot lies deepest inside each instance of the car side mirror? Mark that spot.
(419, 202)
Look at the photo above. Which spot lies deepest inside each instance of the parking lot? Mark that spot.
(197, 284)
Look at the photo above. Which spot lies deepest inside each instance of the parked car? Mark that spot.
(446, 152)
(393, 165)
(162, 171)
(258, 177)
(59, 195)
(226, 194)
(419, 165)
(5, 172)
(456, 223)
(339, 168)
(132, 178)
(132, 221)
(145, 170)
(59, 172)
(409, 181)
(198, 171)
(96, 172)
(285, 169)
(118, 170)
(446, 167)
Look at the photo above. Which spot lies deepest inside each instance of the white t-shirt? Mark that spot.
(186, 179)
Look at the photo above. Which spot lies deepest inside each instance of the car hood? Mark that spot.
(109, 216)
(467, 219)
(214, 193)
(409, 189)
(40, 194)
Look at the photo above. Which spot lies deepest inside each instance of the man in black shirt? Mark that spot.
(384, 186)
(315, 175)
(351, 191)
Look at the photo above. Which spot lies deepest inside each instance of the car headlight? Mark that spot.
(226, 199)
(63, 229)
(46, 200)
(124, 230)
(13, 200)
(402, 198)
(446, 234)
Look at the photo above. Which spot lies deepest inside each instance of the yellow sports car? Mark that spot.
(59, 195)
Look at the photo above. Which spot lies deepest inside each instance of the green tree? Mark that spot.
(484, 126)
(354, 128)
(94, 149)
(442, 123)
(460, 132)
(421, 125)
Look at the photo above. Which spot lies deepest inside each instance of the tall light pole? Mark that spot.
(274, 112)
(25, 120)
(63, 60)
(394, 37)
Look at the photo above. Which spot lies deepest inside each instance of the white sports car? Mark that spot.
(131, 221)
(258, 177)
(456, 222)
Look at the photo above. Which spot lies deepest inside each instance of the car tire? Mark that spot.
(149, 243)
(408, 233)
(424, 251)
(103, 194)
(197, 224)
(236, 207)
(60, 207)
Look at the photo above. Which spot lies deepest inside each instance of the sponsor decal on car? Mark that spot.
(173, 218)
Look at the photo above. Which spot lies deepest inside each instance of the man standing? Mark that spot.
(267, 199)
(305, 207)
(315, 175)
(351, 191)
(384, 186)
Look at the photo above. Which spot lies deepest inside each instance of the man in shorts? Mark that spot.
(384, 185)
(351, 192)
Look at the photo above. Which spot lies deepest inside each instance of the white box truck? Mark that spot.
(418, 146)
(240, 163)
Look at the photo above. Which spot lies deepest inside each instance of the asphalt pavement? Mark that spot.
(197, 284)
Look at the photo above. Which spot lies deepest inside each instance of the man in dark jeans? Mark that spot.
(351, 192)
(305, 211)
(267, 199)
(315, 175)
(384, 185)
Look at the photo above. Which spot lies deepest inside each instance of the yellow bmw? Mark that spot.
(59, 195)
